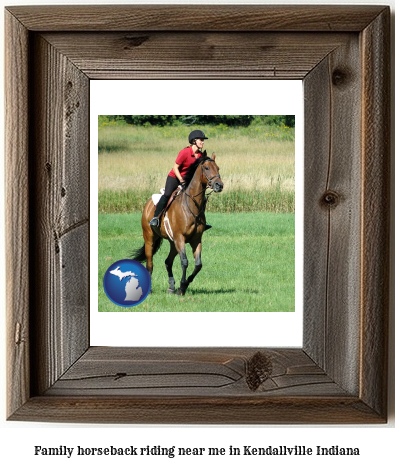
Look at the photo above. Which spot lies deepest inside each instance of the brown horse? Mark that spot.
(187, 222)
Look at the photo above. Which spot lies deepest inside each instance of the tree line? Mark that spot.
(242, 120)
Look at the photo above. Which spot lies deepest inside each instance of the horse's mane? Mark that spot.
(191, 170)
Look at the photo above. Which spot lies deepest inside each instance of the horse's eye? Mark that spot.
(206, 168)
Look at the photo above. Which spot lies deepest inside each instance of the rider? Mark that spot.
(184, 160)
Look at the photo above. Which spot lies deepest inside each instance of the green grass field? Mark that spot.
(248, 264)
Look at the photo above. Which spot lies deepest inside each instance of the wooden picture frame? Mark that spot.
(340, 374)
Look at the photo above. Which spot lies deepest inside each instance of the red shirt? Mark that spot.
(185, 159)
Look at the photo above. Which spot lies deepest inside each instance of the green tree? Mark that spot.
(155, 120)
(230, 120)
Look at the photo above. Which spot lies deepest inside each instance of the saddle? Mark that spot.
(166, 221)
(156, 197)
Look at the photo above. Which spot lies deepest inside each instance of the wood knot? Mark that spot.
(18, 333)
(340, 77)
(330, 199)
(120, 375)
(259, 369)
(133, 42)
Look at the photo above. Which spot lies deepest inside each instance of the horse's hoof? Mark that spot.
(180, 292)
(171, 291)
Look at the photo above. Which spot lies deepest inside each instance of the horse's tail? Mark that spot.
(139, 254)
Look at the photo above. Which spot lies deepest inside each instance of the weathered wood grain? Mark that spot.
(211, 372)
(60, 198)
(375, 211)
(204, 55)
(316, 160)
(17, 190)
(339, 375)
(177, 18)
(198, 410)
(333, 214)
(122, 385)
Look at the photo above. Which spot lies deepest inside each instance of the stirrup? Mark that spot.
(155, 222)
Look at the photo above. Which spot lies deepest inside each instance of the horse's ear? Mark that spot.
(204, 154)
(213, 156)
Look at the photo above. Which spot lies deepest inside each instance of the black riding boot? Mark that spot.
(155, 221)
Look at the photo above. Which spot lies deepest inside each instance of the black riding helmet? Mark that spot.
(196, 135)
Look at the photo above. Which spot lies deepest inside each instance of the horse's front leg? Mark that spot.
(169, 268)
(149, 252)
(197, 252)
(180, 245)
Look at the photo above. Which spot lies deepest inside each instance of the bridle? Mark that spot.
(209, 180)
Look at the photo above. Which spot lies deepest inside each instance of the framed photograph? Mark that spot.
(248, 258)
(339, 374)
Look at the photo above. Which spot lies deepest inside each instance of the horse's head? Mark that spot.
(210, 174)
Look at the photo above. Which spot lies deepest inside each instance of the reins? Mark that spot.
(196, 204)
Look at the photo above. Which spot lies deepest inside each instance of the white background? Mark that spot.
(17, 440)
(177, 328)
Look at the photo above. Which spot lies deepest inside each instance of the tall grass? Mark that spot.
(257, 165)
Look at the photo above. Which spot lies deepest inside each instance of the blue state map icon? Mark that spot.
(127, 283)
